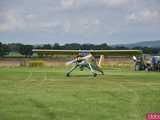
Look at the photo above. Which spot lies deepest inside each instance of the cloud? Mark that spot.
(13, 21)
(81, 19)
(146, 16)
(10, 21)
(68, 3)
(115, 3)
(74, 4)
(81, 26)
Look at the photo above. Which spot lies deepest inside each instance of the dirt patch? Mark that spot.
(9, 63)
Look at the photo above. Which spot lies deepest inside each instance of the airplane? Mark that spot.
(87, 58)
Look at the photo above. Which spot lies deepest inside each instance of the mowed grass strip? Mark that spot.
(46, 94)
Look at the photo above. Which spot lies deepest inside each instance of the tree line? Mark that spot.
(26, 50)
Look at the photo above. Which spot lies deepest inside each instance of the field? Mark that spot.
(46, 94)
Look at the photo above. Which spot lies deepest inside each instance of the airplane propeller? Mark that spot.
(70, 62)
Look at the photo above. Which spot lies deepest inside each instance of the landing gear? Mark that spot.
(67, 74)
(95, 74)
(102, 73)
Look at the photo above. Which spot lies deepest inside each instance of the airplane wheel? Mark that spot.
(94, 74)
(67, 74)
(102, 73)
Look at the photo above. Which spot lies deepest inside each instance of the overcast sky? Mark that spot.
(82, 21)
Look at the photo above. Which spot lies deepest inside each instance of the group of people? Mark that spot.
(151, 65)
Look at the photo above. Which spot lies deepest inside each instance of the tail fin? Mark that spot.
(101, 61)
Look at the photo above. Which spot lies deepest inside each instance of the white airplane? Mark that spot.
(86, 59)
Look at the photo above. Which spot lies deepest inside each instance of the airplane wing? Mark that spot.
(93, 52)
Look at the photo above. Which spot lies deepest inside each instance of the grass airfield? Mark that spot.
(46, 94)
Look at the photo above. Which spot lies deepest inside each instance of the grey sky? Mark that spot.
(83, 21)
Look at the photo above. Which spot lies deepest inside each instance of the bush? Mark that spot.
(36, 63)
(23, 64)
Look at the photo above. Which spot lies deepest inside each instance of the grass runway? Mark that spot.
(46, 94)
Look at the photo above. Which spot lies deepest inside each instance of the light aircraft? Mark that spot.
(87, 59)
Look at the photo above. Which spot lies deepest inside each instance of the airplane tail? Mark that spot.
(101, 61)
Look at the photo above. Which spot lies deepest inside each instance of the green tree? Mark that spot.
(4, 50)
(47, 46)
(26, 50)
(56, 46)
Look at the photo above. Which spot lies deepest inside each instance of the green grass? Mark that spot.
(46, 94)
